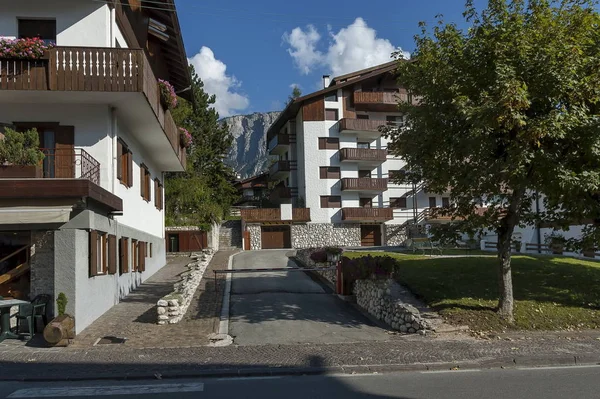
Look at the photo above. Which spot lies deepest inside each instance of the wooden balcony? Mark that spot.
(367, 214)
(379, 101)
(281, 169)
(279, 144)
(270, 215)
(364, 184)
(438, 215)
(91, 70)
(280, 193)
(362, 127)
(363, 155)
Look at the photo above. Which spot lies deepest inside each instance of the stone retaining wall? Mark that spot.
(171, 308)
(303, 255)
(313, 235)
(380, 299)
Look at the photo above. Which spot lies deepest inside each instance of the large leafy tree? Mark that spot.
(204, 193)
(503, 111)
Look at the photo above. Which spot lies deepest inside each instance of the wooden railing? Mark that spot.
(361, 125)
(375, 97)
(363, 154)
(367, 214)
(273, 215)
(279, 139)
(92, 69)
(364, 183)
(282, 166)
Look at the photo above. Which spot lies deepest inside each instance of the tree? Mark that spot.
(296, 92)
(204, 193)
(502, 111)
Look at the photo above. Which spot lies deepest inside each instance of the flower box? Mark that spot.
(20, 171)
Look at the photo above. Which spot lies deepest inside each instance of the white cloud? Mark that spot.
(353, 48)
(294, 85)
(216, 81)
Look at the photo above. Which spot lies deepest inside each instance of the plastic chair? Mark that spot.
(33, 312)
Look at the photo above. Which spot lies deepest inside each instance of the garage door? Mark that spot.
(274, 237)
(370, 235)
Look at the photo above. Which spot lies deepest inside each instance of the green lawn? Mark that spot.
(551, 293)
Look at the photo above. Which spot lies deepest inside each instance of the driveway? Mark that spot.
(290, 307)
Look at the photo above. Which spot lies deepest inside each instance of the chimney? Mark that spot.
(326, 81)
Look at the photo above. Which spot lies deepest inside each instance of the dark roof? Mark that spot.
(293, 107)
(252, 178)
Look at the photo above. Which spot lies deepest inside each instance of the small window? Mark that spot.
(445, 202)
(331, 201)
(329, 143)
(364, 173)
(363, 145)
(124, 164)
(145, 182)
(362, 116)
(331, 96)
(331, 114)
(329, 172)
(398, 203)
(432, 202)
(45, 29)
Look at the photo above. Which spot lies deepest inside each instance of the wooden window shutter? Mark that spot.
(323, 172)
(161, 198)
(112, 254)
(93, 253)
(156, 195)
(141, 256)
(104, 253)
(124, 261)
(129, 169)
(150, 249)
(119, 160)
(64, 150)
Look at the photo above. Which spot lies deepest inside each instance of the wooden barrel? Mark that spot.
(60, 330)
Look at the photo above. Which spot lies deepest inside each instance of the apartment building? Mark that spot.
(89, 220)
(336, 169)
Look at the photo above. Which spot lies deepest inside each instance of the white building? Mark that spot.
(334, 163)
(90, 221)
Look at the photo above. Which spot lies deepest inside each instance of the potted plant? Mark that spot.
(556, 242)
(168, 97)
(20, 154)
(185, 138)
(61, 330)
(333, 254)
(26, 48)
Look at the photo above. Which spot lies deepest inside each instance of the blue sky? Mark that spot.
(250, 53)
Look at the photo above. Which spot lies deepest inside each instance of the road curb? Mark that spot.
(586, 359)
(224, 320)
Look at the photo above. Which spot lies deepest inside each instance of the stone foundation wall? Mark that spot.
(171, 308)
(230, 235)
(380, 299)
(395, 234)
(313, 235)
(255, 238)
(303, 255)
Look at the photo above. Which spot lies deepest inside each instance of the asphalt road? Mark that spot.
(560, 383)
(289, 307)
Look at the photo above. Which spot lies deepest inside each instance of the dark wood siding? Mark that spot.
(188, 241)
(331, 114)
(329, 172)
(314, 109)
(331, 201)
(64, 162)
(329, 143)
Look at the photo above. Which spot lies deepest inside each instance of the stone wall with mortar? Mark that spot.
(255, 239)
(230, 234)
(313, 235)
(395, 234)
(172, 307)
(380, 299)
(303, 256)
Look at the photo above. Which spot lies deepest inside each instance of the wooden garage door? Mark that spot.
(370, 235)
(274, 237)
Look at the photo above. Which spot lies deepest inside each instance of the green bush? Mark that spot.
(20, 148)
(61, 303)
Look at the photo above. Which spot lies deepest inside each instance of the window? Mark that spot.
(362, 116)
(101, 256)
(363, 145)
(445, 202)
(331, 96)
(432, 202)
(145, 182)
(329, 143)
(331, 114)
(45, 29)
(393, 118)
(331, 201)
(329, 172)
(158, 195)
(394, 174)
(124, 164)
(364, 173)
(124, 255)
(398, 202)
(365, 202)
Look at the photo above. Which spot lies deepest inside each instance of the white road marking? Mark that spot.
(582, 366)
(248, 378)
(99, 390)
(450, 371)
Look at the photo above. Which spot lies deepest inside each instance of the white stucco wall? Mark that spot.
(78, 23)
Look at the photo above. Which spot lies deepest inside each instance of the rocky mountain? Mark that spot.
(248, 155)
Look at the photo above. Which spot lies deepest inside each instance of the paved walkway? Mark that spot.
(290, 307)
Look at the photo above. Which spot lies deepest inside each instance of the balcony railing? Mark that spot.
(363, 154)
(91, 69)
(377, 214)
(375, 97)
(364, 184)
(360, 125)
(282, 167)
(274, 215)
(279, 141)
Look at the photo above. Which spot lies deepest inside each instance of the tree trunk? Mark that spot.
(506, 302)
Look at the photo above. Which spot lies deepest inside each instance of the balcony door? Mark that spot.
(58, 144)
(366, 202)
(364, 173)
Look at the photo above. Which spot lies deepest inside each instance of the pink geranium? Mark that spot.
(167, 93)
(29, 48)
(186, 137)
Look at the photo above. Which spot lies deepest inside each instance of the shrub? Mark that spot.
(368, 267)
(20, 148)
(29, 48)
(167, 94)
(319, 256)
(61, 303)
(333, 250)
